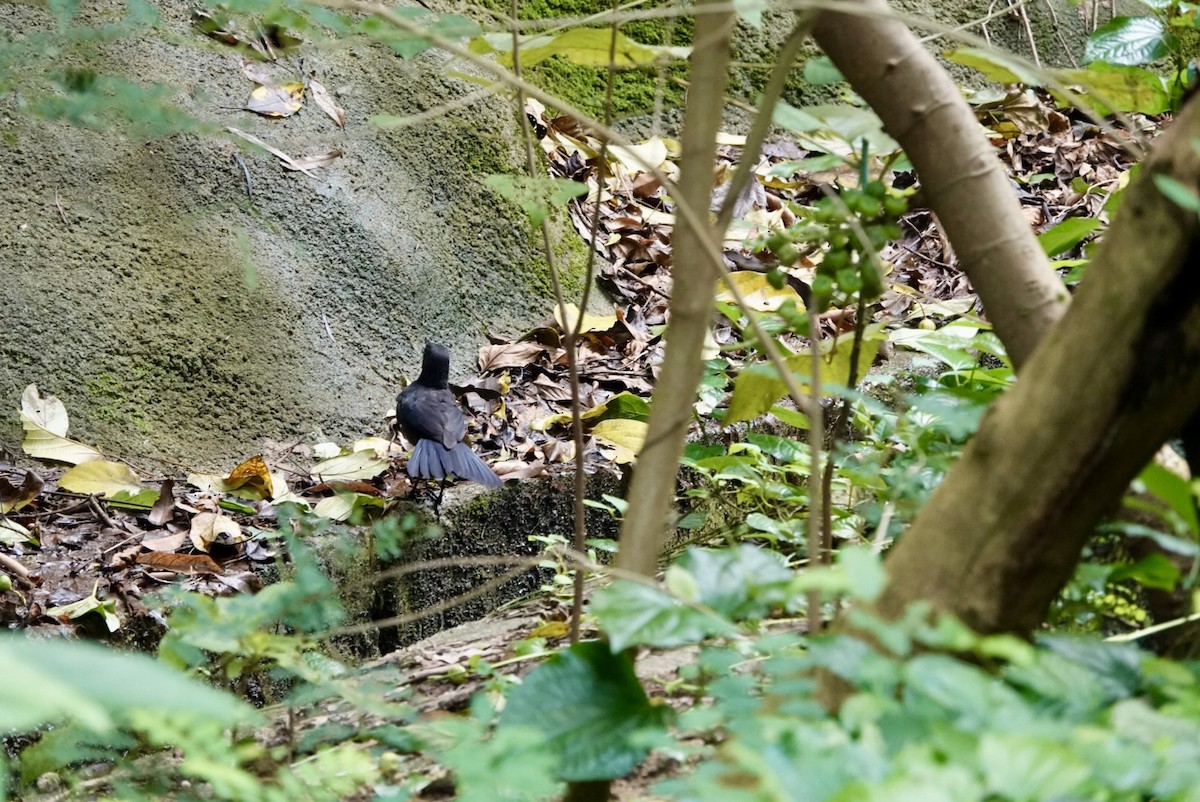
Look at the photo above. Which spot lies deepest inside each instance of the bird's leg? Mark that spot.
(437, 503)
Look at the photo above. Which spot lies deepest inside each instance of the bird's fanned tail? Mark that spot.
(431, 460)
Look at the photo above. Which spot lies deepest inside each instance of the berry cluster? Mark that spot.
(847, 267)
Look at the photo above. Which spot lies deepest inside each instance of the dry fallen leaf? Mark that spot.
(277, 101)
(288, 162)
(305, 163)
(167, 543)
(325, 101)
(181, 563)
(14, 498)
(44, 419)
(211, 527)
(163, 509)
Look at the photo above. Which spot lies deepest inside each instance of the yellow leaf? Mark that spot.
(359, 465)
(251, 479)
(640, 158)
(626, 436)
(550, 629)
(277, 101)
(101, 477)
(210, 527)
(44, 419)
(758, 293)
(758, 386)
(590, 322)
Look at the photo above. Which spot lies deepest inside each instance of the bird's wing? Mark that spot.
(426, 413)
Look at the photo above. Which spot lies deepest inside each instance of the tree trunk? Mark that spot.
(1115, 378)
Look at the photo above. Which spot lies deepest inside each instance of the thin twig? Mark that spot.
(61, 213)
(571, 328)
(816, 436)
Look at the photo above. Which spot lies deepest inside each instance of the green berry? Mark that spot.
(850, 280)
(837, 259)
(895, 205)
(776, 279)
(872, 281)
(870, 207)
(787, 254)
(876, 189)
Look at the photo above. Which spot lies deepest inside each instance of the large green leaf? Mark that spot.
(1066, 235)
(1115, 87)
(1130, 40)
(740, 582)
(758, 386)
(586, 46)
(953, 344)
(634, 613)
(46, 680)
(998, 66)
(591, 710)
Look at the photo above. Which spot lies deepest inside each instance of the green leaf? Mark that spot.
(1019, 767)
(1119, 88)
(535, 195)
(1130, 40)
(588, 47)
(758, 386)
(349, 467)
(1152, 571)
(1066, 235)
(847, 123)
(634, 613)
(821, 72)
(952, 344)
(1177, 192)
(590, 708)
(740, 582)
(1003, 68)
(1174, 491)
(48, 680)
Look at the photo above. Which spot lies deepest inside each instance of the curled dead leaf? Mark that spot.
(325, 102)
(14, 498)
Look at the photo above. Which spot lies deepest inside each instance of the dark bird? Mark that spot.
(430, 418)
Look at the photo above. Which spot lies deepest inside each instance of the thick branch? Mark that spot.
(653, 487)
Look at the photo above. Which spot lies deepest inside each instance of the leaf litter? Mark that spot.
(68, 544)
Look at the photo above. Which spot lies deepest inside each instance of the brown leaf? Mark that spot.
(14, 498)
(164, 508)
(513, 355)
(325, 101)
(167, 543)
(305, 163)
(181, 563)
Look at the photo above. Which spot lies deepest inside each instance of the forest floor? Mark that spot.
(83, 548)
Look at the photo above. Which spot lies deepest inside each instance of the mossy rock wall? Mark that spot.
(1056, 27)
(177, 317)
